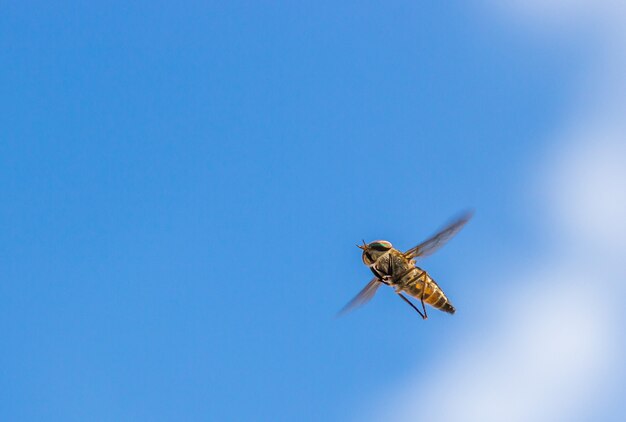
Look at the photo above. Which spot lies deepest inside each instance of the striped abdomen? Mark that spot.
(413, 283)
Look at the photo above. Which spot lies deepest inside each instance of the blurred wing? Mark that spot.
(431, 245)
(363, 297)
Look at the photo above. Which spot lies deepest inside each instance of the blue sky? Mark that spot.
(183, 187)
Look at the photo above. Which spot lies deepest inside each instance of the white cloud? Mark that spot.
(561, 15)
(542, 362)
(587, 192)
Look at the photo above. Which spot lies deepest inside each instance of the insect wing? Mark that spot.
(438, 240)
(363, 297)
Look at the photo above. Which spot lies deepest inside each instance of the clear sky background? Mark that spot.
(183, 185)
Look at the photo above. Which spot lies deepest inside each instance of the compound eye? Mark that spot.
(380, 245)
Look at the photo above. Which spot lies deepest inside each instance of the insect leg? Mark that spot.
(387, 278)
(422, 298)
(424, 307)
(412, 306)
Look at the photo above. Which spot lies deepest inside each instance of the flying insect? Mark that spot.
(398, 270)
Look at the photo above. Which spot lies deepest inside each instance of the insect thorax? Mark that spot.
(392, 265)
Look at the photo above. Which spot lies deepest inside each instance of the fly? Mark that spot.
(398, 270)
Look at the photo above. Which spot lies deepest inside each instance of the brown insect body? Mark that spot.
(398, 270)
(403, 275)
